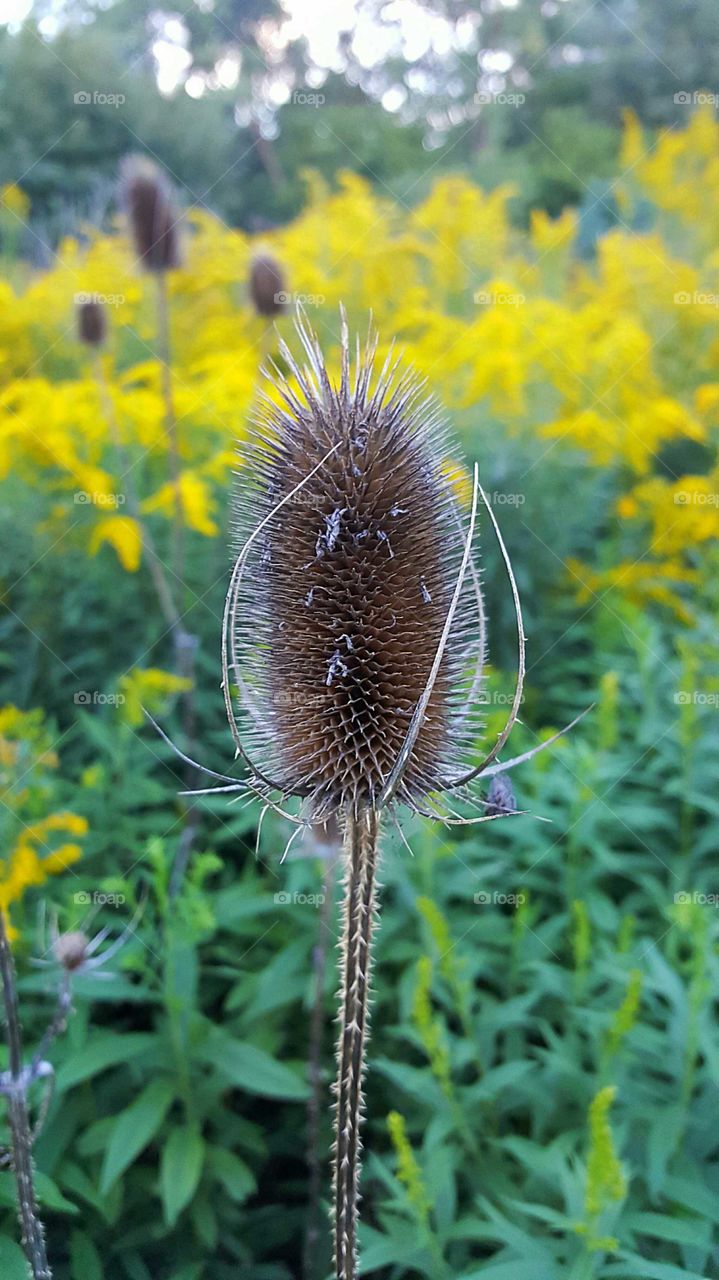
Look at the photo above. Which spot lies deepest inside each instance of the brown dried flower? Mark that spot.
(91, 323)
(146, 196)
(267, 285)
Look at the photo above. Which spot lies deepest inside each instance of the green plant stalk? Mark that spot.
(163, 589)
(361, 854)
(165, 357)
(33, 1236)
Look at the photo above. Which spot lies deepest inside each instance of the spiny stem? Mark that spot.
(361, 836)
(33, 1237)
(330, 832)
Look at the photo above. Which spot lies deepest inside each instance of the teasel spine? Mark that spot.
(360, 912)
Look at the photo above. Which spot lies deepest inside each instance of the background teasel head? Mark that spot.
(91, 322)
(146, 197)
(267, 285)
(354, 624)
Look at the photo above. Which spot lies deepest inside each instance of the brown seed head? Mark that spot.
(346, 588)
(267, 286)
(71, 950)
(91, 323)
(147, 199)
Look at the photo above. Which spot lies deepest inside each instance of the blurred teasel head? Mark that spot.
(70, 950)
(147, 199)
(91, 322)
(267, 285)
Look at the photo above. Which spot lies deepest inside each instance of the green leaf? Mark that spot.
(180, 1170)
(12, 1260)
(84, 1258)
(133, 1129)
(104, 1050)
(689, 1231)
(235, 1176)
(252, 1069)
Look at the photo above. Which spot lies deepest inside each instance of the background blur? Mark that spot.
(526, 196)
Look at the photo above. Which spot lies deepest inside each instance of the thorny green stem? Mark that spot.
(33, 1236)
(360, 851)
(314, 1069)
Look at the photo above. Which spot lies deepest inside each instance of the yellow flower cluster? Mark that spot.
(37, 847)
(610, 360)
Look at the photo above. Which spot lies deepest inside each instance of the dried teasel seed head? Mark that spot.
(339, 610)
(146, 196)
(267, 285)
(70, 950)
(91, 323)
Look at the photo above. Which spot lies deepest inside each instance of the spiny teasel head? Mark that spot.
(339, 609)
(267, 285)
(70, 950)
(91, 322)
(146, 197)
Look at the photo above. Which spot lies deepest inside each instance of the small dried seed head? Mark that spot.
(70, 950)
(91, 323)
(346, 588)
(267, 286)
(147, 199)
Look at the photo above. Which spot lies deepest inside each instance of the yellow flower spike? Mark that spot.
(124, 534)
(150, 688)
